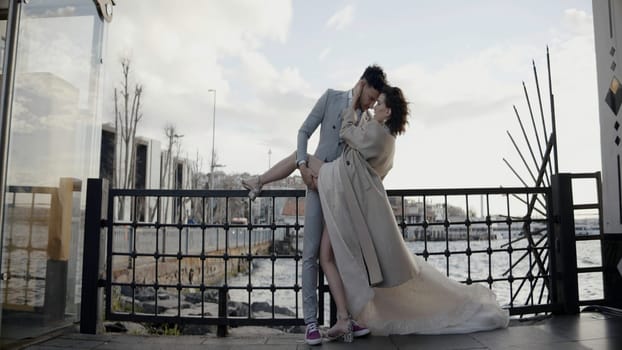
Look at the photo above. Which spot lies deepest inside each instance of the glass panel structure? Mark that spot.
(53, 147)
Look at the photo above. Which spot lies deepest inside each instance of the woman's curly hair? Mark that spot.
(394, 99)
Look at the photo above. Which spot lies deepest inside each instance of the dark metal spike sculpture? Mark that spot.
(535, 131)
(552, 98)
(545, 168)
(533, 156)
(521, 153)
(535, 74)
(540, 211)
(515, 173)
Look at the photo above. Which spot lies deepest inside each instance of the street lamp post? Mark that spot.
(212, 164)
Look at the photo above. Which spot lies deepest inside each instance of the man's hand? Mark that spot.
(309, 178)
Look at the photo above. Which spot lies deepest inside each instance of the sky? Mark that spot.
(461, 65)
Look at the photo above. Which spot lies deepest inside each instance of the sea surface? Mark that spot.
(287, 273)
(27, 257)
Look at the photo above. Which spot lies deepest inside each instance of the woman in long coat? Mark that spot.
(371, 273)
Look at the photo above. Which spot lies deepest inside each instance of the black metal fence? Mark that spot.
(192, 268)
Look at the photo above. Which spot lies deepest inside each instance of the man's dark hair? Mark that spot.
(374, 75)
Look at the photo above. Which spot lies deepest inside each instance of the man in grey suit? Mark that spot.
(327, 113)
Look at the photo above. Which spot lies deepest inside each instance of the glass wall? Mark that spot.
(3, 41)
(54, 147)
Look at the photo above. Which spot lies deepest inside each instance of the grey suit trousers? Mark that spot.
(327, 114)
(311, 247)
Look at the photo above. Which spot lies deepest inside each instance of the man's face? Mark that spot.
(369, 95)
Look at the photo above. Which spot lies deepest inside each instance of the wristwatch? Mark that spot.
(300, 162)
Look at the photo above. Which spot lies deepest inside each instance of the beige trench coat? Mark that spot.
(366, 240)
(388, 288)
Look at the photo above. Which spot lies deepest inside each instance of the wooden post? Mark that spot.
(59, 244)
(59, 226)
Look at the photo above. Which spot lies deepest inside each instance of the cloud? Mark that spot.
(323, 54)
(461, 102)
(462, 109)
(341, 19)
(260, 72)
(66, 11)
(191, 57)
(215, 45)
(484, 83)
(577, 22)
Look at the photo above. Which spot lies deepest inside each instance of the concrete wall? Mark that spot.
(607, 37)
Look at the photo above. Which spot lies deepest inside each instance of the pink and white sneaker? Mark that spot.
(358, 330)
(312, 334)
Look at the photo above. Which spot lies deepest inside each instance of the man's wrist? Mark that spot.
(300, 163)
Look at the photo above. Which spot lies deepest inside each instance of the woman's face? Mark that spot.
(381, 112)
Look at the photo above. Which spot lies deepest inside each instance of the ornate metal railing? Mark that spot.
(188, 269)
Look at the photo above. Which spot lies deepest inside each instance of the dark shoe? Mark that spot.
(312, 335)
(253, 185)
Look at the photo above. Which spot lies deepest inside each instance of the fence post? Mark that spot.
(222, 311)
(96, 211)
(611, 255)
(565, 278)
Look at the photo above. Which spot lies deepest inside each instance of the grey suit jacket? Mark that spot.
(327, 113)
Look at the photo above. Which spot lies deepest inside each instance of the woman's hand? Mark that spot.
(309, 177)
(356, 93)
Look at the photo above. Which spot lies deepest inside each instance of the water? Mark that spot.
(22, 261)
(287, 273)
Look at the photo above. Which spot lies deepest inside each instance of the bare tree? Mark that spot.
(167, 174)
(197, 203)
(127, 117)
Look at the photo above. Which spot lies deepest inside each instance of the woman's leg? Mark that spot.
(327, 261)
(286, 167)
(280, 170)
